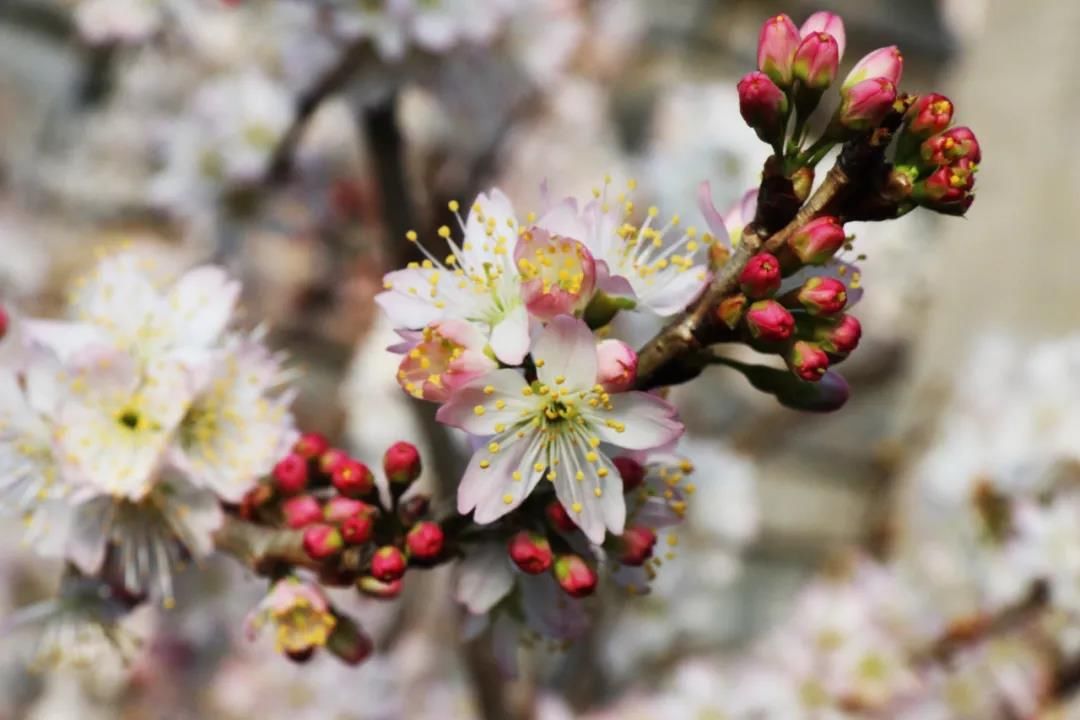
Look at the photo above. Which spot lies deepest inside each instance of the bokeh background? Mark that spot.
(632, 88)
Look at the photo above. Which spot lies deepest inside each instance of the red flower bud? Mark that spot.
(301, 511)
(635, 545)
(777, 43)
(311, 445)
(817, 60)
(864, 106)
(388, 563)
(291, 474)
(338, 508)
(818, 240)
(841, 338)
(255, 498)
(761, 276)
(401, 463)
(730, 310)
(823, 296)
(929, 115)
(807, 360)
(322, 541)
(530, 551)
(353, 479)
(330, 460)
(574, 576)
(958, 143)
(558, 517)
(4, 322)
(425, 541)
(763, 105)
(379, 589)
(769, 321)
(632, 472)
(358, 529)
(948, 189)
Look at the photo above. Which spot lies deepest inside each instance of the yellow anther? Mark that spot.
(478, 410)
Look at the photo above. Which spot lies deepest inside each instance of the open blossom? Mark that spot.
(440, 358)
(299, 614)
(552, 429)
(479, 282)
(558, 273)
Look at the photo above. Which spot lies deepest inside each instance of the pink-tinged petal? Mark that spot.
(886, 62)
(558, 273)
(484, 578)
(409, 340)
(714, 220)
(497, 482)
(449, 354)
(826, 22)
(645, 421)
(565, 352)
(740, 215)
(564, 220)
(510, 337)
(613, 285)
(673, 297)
(482, 405)
(617, 363)
(590, 488)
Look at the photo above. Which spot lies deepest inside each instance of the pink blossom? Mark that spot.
(442, 357)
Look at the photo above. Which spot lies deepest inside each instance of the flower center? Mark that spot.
(560, 265)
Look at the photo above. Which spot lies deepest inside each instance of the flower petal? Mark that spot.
(590, 488)
(566, 349)
(481, 406)
(679, 290)
(712, 216)
(484, 578)
(497, 482)
(646, 422)
(510, 337)
(563, 219)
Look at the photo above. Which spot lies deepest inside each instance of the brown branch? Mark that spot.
(261, 547)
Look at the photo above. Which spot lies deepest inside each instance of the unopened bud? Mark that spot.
(958, 143)
(884, 63)
(948, 189)
(353, 479)
(929, 115)
(530, 551)
(631, 471)
(617, 365)
(808, 361)
(425, 541)
(840, 338)
(558, 517)
(823, 296)
(358, 529)
(826, 22)
(817, 60)
(865, 105)
(291, 474)
(635, 545)
(349, 642)
(301, 511)
(379, 589)
(777, 43)
(311, 445)
(730, 310)
(322, 541)
(338, 508)
(330, 460)
(761, 276)
(574, 576)
(388, 563)
(763, 105)
(769, 321)
(802, 182)
(411, 510)
(401, 463)
(817, 241)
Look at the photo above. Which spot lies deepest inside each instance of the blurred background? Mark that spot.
(109, 124)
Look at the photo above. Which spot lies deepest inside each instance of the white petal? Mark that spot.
(484, 578)
(489, 487)
(647, 422)
(549, 611)
(194, 516)
(566, 349)
(510, 337)
(91, 524)
(673, 290)
(563, 219)
(594, 514)
(461, 410)
(200, 306)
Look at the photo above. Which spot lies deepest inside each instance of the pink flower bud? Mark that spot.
(929, 115)
(4, 322)
(574, 576)
(358, 529)
(425, 541)
(322, 541)
(865, 105)
(763, 105)
(617, 365)
(530, 551)
(886, 63)
(823, 296)
(388, 564)
(769, 321)
(807, 360)
(817, 61)
(446, 355)
(818, 240)
(339, 508)
(353, 479)
(379, 589)
(841, 338)
(777, 43)
(330, 460)
(311, 445)
(730, 310)
(301, 511)
(632, 472)
(948, 189)
(558, 274)
(635, 545)
(558, 517)
(761, 276)
(401, 463)
(826, 22)
(291, 474)
(959, 143)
